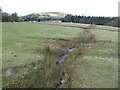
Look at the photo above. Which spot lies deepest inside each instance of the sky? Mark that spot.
(75, 7)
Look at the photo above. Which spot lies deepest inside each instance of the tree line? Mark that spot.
(111, 21)
(6, 17)
(39, 19)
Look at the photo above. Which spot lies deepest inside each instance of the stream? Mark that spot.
(61, 72)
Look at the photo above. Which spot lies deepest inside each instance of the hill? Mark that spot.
(44, 15)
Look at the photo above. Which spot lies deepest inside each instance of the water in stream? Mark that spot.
(62, 74)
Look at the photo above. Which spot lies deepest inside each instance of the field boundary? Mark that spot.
(82, 27)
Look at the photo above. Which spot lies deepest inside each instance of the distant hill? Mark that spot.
(47, 15)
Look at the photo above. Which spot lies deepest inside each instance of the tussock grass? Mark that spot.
(86, 36)
(38, 74)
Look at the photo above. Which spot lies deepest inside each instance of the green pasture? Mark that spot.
(23, 49)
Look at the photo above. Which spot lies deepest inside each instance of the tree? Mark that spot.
(10, 19)
(92, 20)
(5, 17)
(14, 17)
(68, 18)
(0, 14)
(0, 9)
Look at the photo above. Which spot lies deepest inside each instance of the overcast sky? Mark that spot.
(75, 7)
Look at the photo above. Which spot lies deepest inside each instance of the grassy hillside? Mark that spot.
(32, 49)
(46, 15)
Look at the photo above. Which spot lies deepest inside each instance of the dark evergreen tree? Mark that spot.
(91, 20)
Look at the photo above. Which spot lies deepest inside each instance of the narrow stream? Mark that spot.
(61, 72)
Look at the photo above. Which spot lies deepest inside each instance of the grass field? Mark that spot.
(25, 49)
